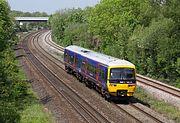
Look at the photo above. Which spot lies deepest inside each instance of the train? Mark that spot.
(114, 78)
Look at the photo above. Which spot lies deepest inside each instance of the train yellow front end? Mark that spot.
(121, 81)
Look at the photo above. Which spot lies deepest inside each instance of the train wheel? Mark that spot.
(85, 81)
(97, 88)
(88, 84)
(102, 93)
(80, 78)
(107, 96)
(68, 70)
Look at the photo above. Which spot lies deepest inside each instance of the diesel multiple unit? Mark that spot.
(111, 76)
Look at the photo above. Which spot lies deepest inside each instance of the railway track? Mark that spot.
(134, 111)
(146, 113)
(141, 79)
(135, 116)
(86, 111)
(51, 43)
(159, 85)
(57, 60)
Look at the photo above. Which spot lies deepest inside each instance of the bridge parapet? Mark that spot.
(32, 19)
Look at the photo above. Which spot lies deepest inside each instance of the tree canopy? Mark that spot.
(145, 32)
(11, 87)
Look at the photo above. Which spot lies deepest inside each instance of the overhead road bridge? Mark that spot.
(31, 19)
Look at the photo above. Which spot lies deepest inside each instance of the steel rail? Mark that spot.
(159, 85)
(124, 110)
(142, 79)
(80, 106)
(147, 114)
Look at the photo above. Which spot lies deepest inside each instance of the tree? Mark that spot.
(113, 21)
(145, 32)
(11, 87)
(65, 22)
(6, 29)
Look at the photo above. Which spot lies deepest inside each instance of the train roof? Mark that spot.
(102, 58)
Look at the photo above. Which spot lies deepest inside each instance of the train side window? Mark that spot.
(77, 60)
(70, 59)
(102, 74)
(80, 63)
(65, 56)
(97, 70)
(94, 69)
(88, 67)
(83, 64)
(91, 68)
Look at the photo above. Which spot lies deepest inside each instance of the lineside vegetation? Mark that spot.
(171, 112)
(15, 98)
(145, 32)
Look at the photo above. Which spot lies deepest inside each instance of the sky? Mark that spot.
(49, 6)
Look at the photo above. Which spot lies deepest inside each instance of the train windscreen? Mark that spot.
(126, 74)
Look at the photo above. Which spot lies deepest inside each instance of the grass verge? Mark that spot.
(34, 112)
(166, 109)
(31, 110)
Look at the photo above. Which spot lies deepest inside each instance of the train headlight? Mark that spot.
(112, 85)
(130, 85)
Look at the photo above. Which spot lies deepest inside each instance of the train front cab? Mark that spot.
(121, 81)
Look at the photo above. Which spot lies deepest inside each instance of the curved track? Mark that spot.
(122, 108)
(159, 85)
(141, 79)
(47, 64)
(86, 111)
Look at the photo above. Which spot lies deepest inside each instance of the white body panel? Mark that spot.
(104, 59)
